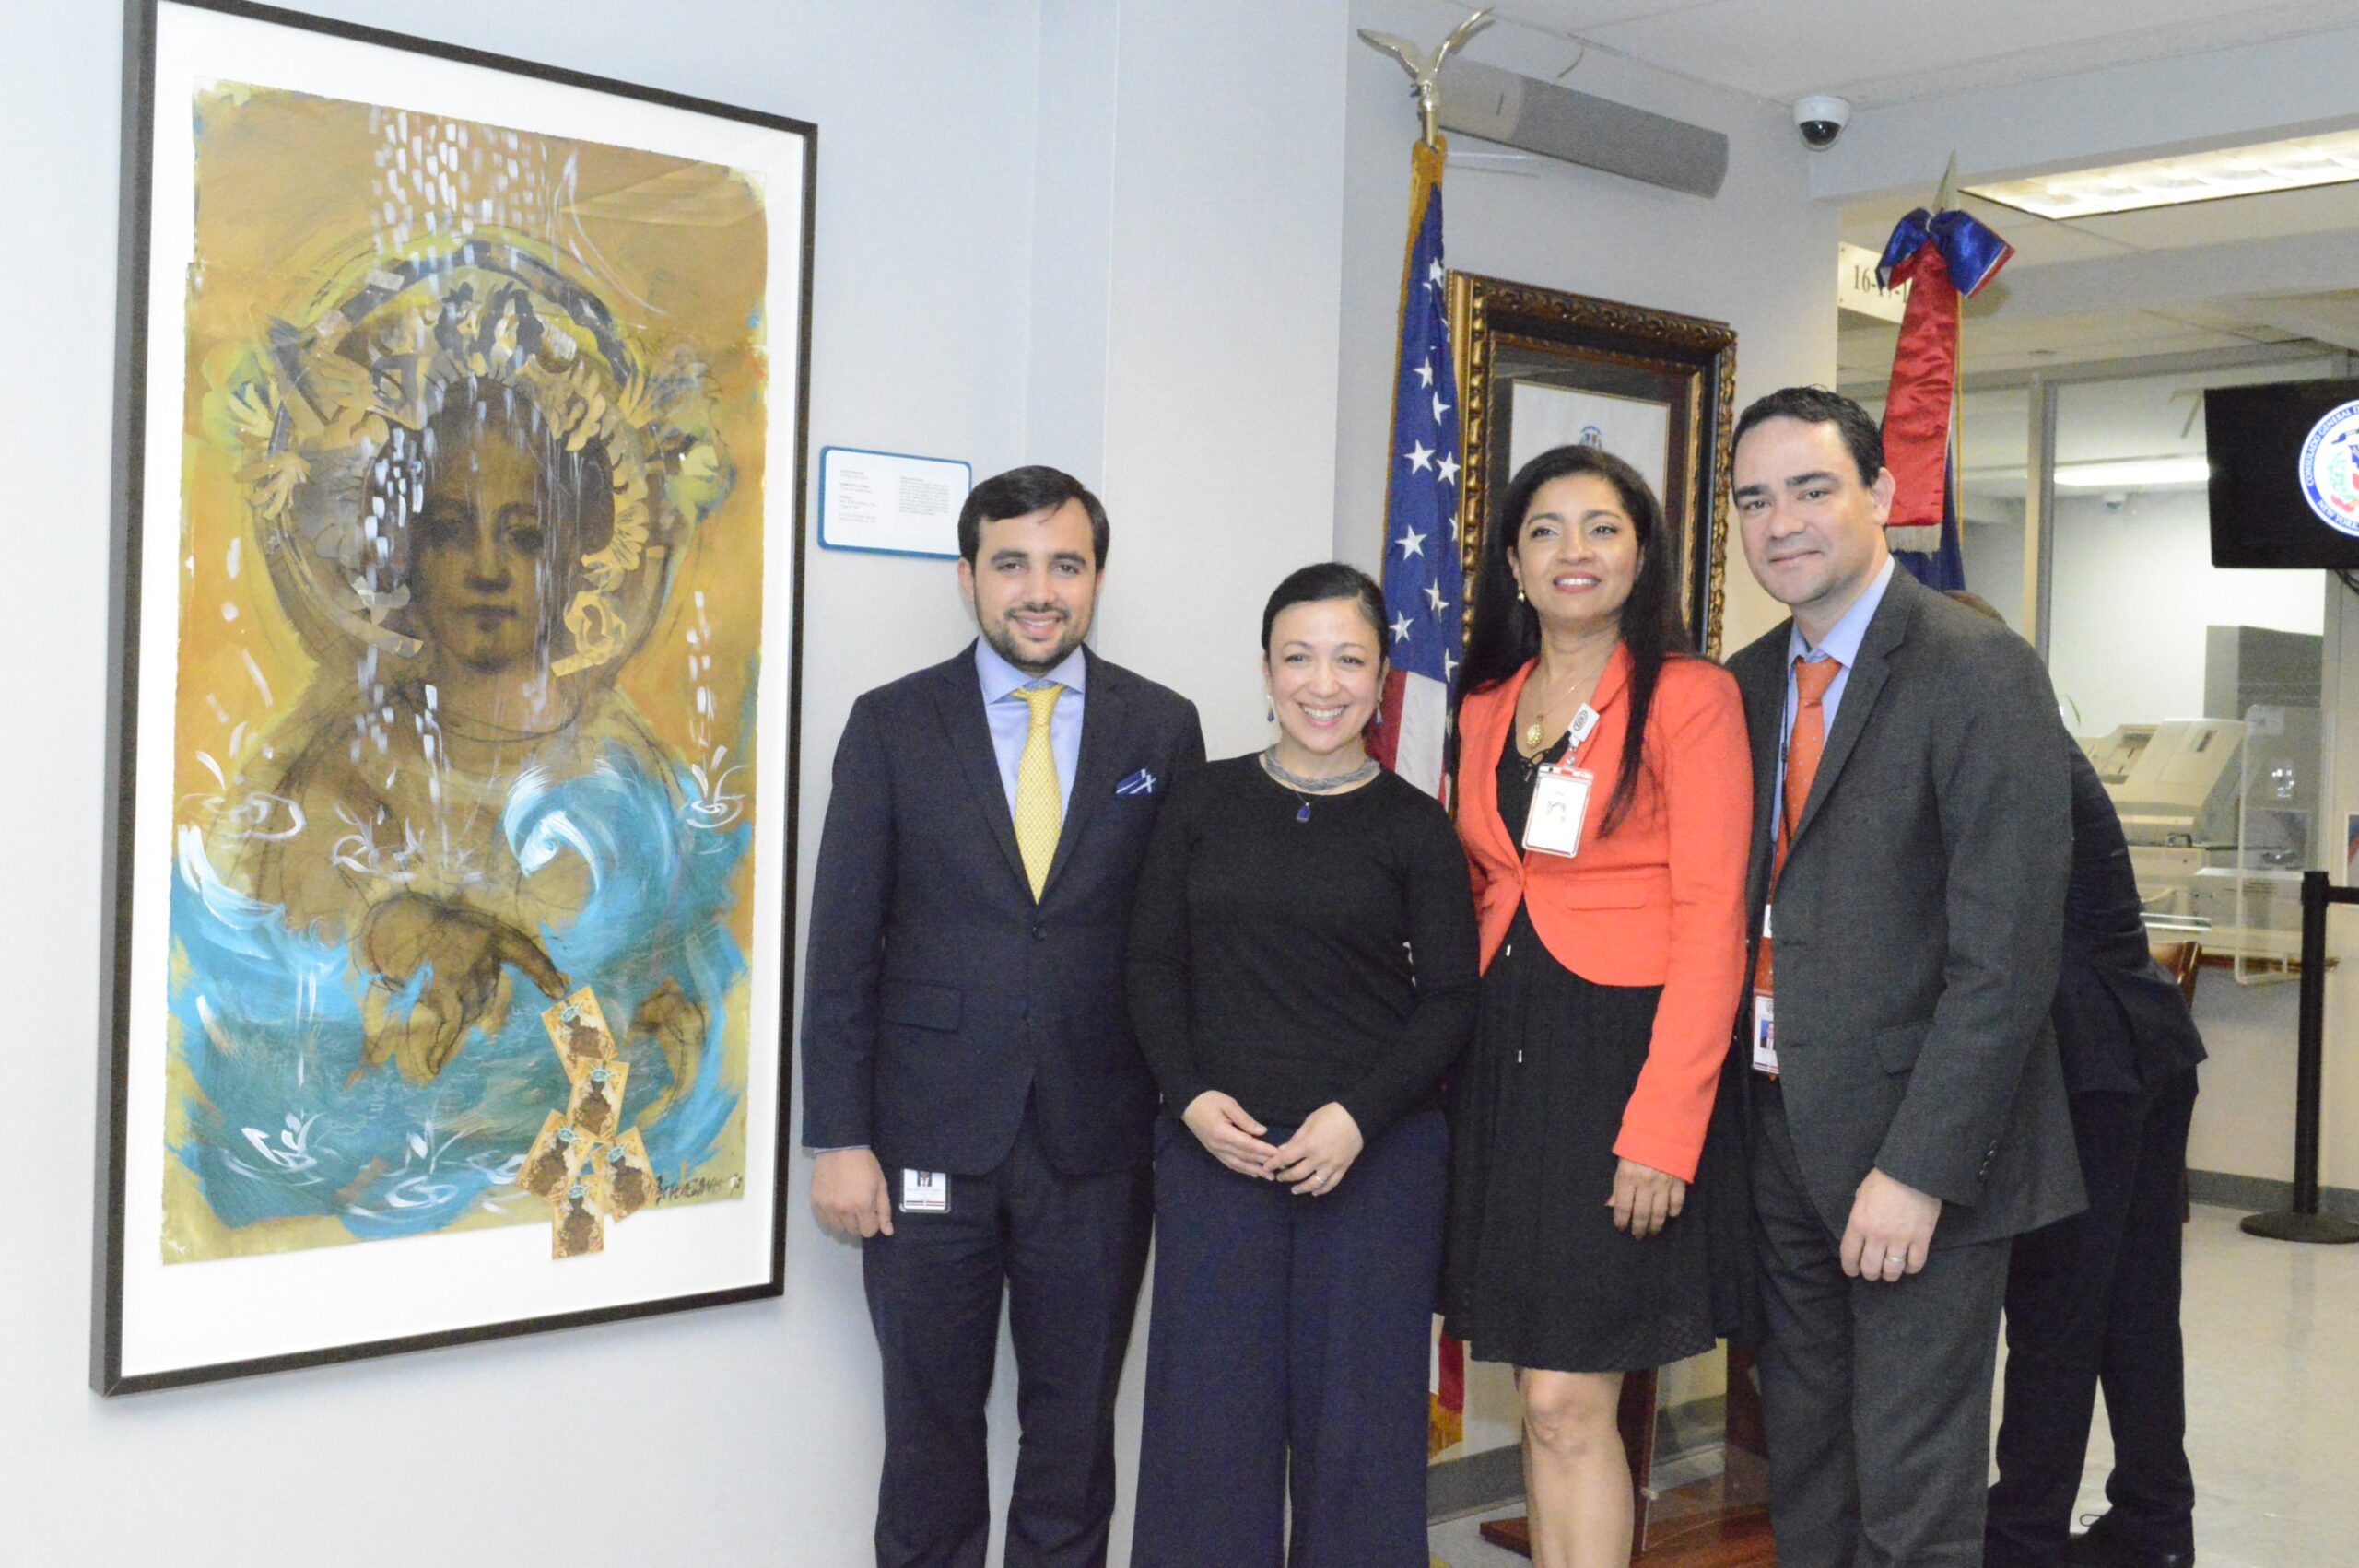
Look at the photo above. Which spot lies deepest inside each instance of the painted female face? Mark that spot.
(1326, 672)
(1577, 553)
(481, 562)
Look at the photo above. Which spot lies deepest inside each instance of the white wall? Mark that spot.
(1757, 256)
(2134, 590)
(759, 1434)
(1993, 553)
(1227, 213)
(1004, 190)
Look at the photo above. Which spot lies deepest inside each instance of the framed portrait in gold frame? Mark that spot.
(1538, 368)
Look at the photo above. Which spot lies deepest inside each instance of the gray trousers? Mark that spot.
(1877, 1396)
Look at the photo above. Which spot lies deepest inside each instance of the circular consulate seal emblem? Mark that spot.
(2329, 470)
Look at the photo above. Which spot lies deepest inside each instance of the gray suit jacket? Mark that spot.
(1919, 920)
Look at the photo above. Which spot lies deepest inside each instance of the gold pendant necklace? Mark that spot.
(1535, 734)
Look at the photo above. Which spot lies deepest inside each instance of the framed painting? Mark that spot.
(460, 460)
(1540, 368)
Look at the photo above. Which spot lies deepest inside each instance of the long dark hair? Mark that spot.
(1506, 633)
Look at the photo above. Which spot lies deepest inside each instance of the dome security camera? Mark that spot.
(1821, 118)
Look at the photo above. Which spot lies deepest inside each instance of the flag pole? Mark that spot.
(1423, 575)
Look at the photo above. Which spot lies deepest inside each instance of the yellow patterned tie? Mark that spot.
(1040, 805)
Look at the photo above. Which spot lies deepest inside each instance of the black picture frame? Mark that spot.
(782, 521)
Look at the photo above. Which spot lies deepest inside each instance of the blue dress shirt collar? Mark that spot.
(1843, 638)
(1000, 677)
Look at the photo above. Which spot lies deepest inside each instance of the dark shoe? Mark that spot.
(2098, 1547)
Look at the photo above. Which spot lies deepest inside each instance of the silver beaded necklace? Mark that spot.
(1304, 788)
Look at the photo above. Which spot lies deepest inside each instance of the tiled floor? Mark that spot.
(2272, 1353)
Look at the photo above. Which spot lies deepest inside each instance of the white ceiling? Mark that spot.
(1877, 52)
(2218, 276)
(2222, 299)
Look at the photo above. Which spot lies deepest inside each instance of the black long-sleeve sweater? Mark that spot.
(1292, 963)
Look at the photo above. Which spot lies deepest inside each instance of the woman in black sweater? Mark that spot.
(1302, 973)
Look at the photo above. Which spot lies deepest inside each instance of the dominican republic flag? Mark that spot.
(1944, 258)
(1425, 585)
(1425, 592)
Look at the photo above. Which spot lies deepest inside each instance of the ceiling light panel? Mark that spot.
(2297, 164)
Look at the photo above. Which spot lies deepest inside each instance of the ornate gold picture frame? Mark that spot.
(1537, 368)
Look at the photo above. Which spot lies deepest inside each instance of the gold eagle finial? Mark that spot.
(1425, 74)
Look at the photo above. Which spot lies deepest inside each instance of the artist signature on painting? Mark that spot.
(698, 1186)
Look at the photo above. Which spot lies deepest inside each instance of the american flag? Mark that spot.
(1425, 585)
(1425, 592)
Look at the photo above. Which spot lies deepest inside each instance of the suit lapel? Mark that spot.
(1098, 767)
(1764, 689)
(1885, 632)
(958, 697)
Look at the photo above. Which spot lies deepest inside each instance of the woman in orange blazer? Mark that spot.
(1611, 976)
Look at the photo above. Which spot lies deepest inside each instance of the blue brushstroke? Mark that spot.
(282, 1128)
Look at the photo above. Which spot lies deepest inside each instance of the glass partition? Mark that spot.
(2196, 689)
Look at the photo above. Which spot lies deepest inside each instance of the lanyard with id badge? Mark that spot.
(1560, 794)
(1765, 1000)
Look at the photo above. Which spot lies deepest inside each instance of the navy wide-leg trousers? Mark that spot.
(1288, 1346)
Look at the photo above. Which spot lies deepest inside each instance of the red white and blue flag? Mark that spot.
(1944, 258)
(1424, 593)
(1425, 584)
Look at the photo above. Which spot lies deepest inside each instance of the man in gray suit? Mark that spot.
(1912, 838)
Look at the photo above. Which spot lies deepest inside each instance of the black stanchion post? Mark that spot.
(2303, 1222)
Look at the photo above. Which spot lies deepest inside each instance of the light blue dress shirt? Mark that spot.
(1010, 717)
(1841, 642)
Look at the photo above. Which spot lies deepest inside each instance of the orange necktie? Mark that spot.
(1803, 748)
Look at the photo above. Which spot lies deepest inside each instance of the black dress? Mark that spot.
(1536, 1274)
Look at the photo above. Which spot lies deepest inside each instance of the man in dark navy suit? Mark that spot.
(980, 1111)
(2095, 1298)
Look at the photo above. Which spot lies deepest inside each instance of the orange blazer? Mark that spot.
(1658, 901)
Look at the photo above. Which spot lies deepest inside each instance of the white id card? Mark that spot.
(1559, 804)
(925, 1192)
(1765, 1033)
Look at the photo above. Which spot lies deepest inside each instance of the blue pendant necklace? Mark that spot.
(1304, 788)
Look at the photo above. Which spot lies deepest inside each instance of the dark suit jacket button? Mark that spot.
(1038, 931)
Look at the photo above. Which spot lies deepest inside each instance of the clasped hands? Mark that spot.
(1313, 1160)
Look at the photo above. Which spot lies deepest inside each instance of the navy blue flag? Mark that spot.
(1424, 585)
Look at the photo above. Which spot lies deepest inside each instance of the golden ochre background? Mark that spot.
(677, 249)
